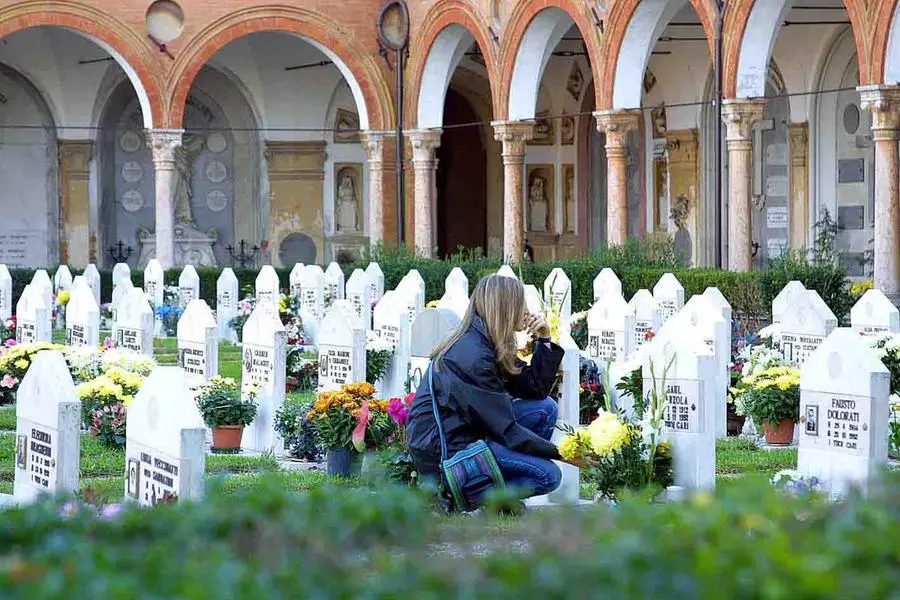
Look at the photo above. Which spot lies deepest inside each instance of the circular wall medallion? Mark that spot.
(216, 200)
(132, 171)
(132, 201)
(216, 143)
(165, 20)
(851, 119)
(216, 171)
(130, 141)
(297, 247)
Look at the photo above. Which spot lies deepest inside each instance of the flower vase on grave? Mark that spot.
(780, 435)
(227, 437)
(340, 462)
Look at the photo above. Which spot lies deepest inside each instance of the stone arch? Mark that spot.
(363, 73)
(633, 27)
(750, 33)
(534, 30)
(126, 46)
(448, 30)
(886, 45)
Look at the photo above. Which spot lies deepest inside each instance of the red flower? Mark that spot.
(409, 398)
(649, 335)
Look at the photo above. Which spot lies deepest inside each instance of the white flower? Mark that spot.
(375, 342)
(893, 343)
(773, 330)
(129, 360)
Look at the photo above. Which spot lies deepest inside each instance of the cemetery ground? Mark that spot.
(102, 467)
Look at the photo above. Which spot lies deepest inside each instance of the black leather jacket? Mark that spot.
(475, 400)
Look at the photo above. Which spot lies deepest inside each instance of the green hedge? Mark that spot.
(638, 266)
(745, 542)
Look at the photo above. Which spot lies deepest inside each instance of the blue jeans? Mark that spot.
(530, 475)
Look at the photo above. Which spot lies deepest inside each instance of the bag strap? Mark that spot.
(437, 415)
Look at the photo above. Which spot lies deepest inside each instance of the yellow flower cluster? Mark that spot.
(226, 382)
(784, 378)
(19, 357)
(130, 382)
(283, 304)
(63, 297)
(105, 389)
(350, 397)
(575, 445)
(858, 289)
(607, 434)
(433, 304)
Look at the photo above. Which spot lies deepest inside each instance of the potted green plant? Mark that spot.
(226, 411)
(771, 397)
(335, 415)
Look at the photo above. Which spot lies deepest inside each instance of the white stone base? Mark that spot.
(8, 501)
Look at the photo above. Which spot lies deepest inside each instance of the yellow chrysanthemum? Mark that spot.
(21, 364)
(573, 445)
(607, 434)
(63, 297)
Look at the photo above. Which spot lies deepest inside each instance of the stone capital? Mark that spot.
(514, 135)
(739, 116)
(884, 103)
(162, 144)
(799, 138)
(377, 145)
(616, 124)
(424, 142)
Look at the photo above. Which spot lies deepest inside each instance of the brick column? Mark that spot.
(424, 143)
(162, 143)
(739, 116)
(382, 186)
(799, 214)
(884, 104)
(514, 136)
(616, 125)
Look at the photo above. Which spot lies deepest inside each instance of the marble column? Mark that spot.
(884, 104)
(616, 125)
(382, 187)
(424, 143)
(739, 116)
(514, 135)
(799, 213)
(162, 143)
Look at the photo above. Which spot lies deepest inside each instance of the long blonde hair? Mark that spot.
(500, 302)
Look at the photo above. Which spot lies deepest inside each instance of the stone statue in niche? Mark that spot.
(185, 155)
(683, 246)
(658, 115)
(538, 203)
(544, 134)
(347, 200)
(567, 131)
(575, 84)
(569, 174)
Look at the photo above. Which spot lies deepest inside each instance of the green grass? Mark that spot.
(8, 418)
(738, 456)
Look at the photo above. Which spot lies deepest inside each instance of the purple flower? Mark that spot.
(399, 411)
(10, 342)
(111, 511)
(68, 510)
(109, 343)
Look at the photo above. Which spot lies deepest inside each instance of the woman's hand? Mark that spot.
(536, 326)
(577, 462)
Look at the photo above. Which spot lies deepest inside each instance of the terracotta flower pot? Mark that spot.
(782, 435)
(290, 384)
(227, 437)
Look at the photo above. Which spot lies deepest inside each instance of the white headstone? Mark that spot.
(391, 323)
(295, 278)
(359, 295)
(32, 324)
(506, 271)
(312, 300)
(154, 282)
(416, 278)
(120, 271)
(844, 413)
(647, 316)
(376, 280)
(134, 323)
(701, 315)
(62, 279)
(165, 455)
(5, 293)
(874, 314)
(569, 489)
(264, 354)
(785, 298)
(342, 348)
(669, 293)
(118, 294)
(198, 343)
(409, 292)
(610, 330)
(456, 283)
(92, 276)
(267, 286)
(188, 285)
(82, 318)
(430, 327)
(558, 293)
(334, 282)
(226, 303)
(607, 283)
(534, 302)
(48, 430)
(688, 421)
(805, 324)
(41, 282)
(454, 301)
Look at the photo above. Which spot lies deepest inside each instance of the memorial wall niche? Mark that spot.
(204, 183)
